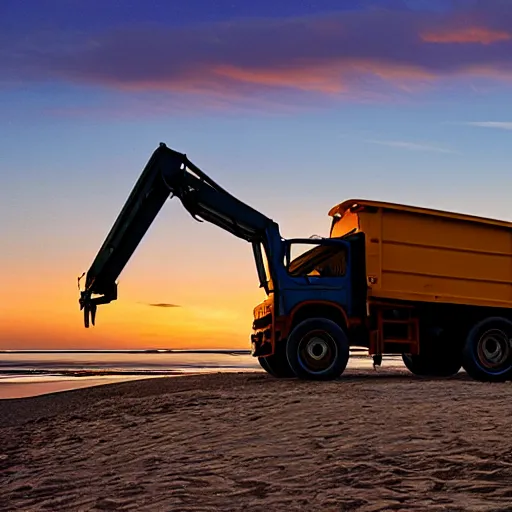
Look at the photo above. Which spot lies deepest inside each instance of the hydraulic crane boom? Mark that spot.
(167, 174)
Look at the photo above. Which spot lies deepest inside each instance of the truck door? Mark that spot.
(329, 269)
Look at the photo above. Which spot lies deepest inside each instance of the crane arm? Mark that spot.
(167, 174)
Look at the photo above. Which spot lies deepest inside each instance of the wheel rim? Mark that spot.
(317, 352)
(494, 349)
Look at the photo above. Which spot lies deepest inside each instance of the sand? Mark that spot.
(370, 441)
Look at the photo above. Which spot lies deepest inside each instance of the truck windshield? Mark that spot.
(321, 260)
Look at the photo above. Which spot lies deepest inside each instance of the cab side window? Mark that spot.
(316, 260)
(335, 266)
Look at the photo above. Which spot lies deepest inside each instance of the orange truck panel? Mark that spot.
(419, 254)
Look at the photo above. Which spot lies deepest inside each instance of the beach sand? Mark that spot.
(370, 441)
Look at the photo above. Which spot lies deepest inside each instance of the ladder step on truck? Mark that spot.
(396, 329)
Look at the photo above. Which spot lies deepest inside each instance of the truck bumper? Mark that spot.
(261, 343)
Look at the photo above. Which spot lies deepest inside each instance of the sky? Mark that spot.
(293, 106)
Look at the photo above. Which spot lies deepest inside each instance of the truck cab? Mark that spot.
(311, 278)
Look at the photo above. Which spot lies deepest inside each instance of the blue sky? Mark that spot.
(293, 107)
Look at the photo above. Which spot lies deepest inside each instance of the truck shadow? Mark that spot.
(399, 376)
(386, 375)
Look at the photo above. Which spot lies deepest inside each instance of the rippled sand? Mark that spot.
(371, 441)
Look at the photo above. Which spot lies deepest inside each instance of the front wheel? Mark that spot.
(317, 349)
(277, 364)
(487, 353)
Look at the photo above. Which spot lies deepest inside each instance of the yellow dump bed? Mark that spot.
(419, 254)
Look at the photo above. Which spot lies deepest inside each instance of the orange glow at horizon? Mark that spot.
(125, 323)
(208, 315)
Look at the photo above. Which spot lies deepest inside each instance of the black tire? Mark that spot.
(487, 354)
(277, 364)
(440, 354)
(317, 349)
(427, 365)
(430, 365)
(264, 364)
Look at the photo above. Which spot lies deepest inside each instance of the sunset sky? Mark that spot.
(292, 106)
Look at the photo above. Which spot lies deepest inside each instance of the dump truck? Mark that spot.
(433, 286)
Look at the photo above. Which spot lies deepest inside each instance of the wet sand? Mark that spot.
(33, 386)
(370, 441)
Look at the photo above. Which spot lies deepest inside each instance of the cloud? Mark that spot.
(502, 125)
(164, 305)
(368, 53)
(411, 146)
(465, 35)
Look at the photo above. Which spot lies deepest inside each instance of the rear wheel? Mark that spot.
(487, 354)
(277, 364)
(317, 349)
(440, 354)
(428, 366)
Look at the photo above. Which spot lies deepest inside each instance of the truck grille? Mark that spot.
(264, 321)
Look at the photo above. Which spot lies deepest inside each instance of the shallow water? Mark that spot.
(31, 373)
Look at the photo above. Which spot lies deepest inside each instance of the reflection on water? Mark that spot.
(33, 373)
(33, 386)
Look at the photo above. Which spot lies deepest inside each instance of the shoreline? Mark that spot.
(19, 390)
(33, 386)
(59, 372)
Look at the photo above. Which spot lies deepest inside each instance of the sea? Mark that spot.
(26, 373)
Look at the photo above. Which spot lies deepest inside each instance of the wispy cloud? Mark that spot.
(466, 35)
(501, 125)
(163, 305)
(411, 146)
(351, 53)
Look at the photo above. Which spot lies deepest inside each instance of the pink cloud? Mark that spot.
(306, 77)
(350, 54)
(480, 35)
